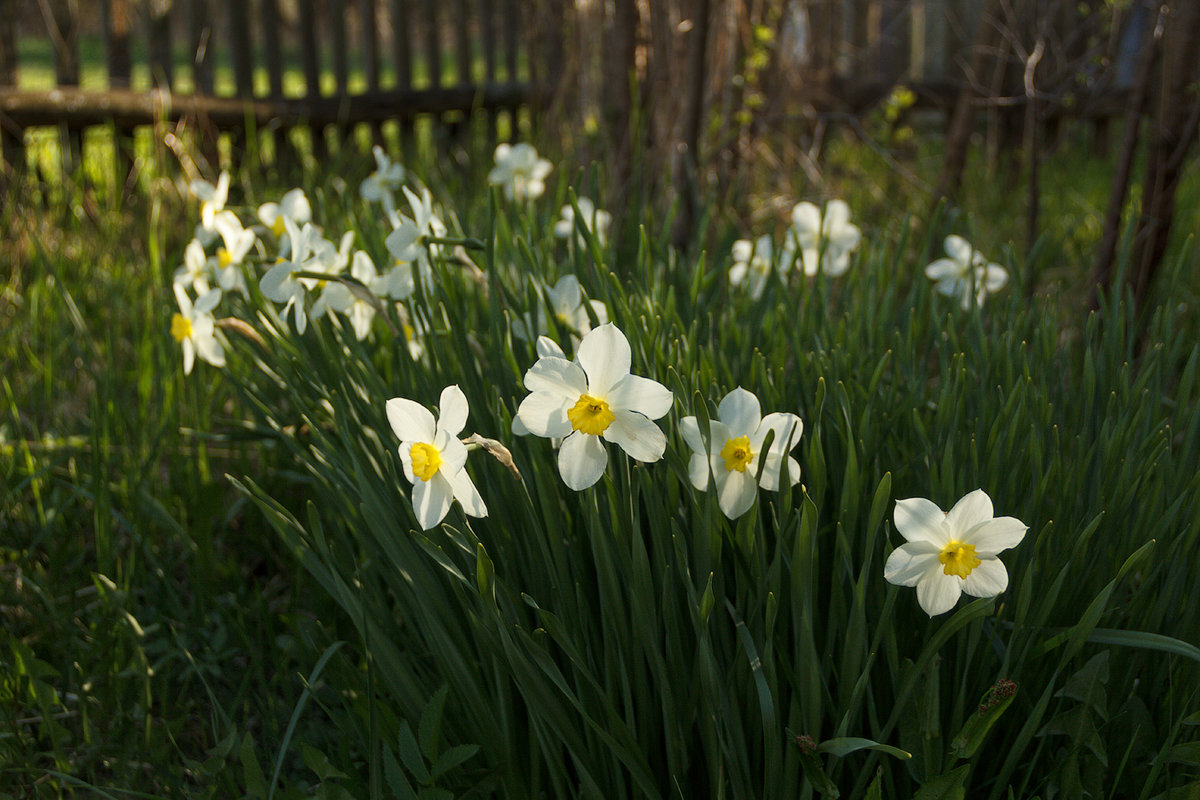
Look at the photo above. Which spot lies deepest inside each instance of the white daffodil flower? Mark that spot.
(329, 260)
(293, 206)
(966, 274)
(195, 270)
(519, 171)
(433, 457)
(752, 264)
(358, 307)
(280, 283)
(946, 554)
(409, 245)
(193, 327)
(594, 219)
(380, 186)
(212, 198)
(567, 305)
(825, 241)
(227, 263)
(594, 398)
(734, 457)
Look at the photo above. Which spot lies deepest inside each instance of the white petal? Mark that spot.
(209, 349)
(581, 460)
(742, 250)
(937, 594)
(837, 216)
(989, 579)
(689, 429)
(920, 520)
(996, 535)
(993, 277)
(545, 414)
(208, 301)
(640, 394)
(740, 412)
(189, 356)
(466, 494)
(959, 249)
(605, 356)
(944, 268)
(972, 509)
(412, 422)
(909, 562)
(557, 376)
(699, 471)
(636, 435)
(548, 348)
(452, 410)
(736, 492)
(806, 217)
(431, 500)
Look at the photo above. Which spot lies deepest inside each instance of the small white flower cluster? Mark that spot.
(825, 242)
(308, 274)
(822, 240)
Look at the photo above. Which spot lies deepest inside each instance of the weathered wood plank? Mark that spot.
(200, 46)
(237, 15)
(369, 42)
(78, 107)
(12, 141)
(433, 44)
(269, 15)
(158, 39)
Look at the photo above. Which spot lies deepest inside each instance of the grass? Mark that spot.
(168, 633)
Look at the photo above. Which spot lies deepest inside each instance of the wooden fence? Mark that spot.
(219, 65)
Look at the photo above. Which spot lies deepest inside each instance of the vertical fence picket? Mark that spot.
(341, 68)
(12, 138)
(312, 71)
(487, 25)
(237, 15)
(433, 44)
(114, 18)
(402, 58)
(63, 29)
(200, 47)
(158, 39)
(269, 16)
(368, 36)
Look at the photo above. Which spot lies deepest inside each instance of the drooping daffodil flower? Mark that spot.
(212, 198)
(519, 171)
(966, 274)
(410, 247)
(359, 303)
(734, 460)
(381, 185)
(195, 270)
(948, 553)
(595, 220)
(293, 206)
(280, 282)
(193, 327)
(825, 240)
(752, 264)
(434, 459)
(591, 400)
(227, 263)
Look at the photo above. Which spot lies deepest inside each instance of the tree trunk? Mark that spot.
(1173, 133)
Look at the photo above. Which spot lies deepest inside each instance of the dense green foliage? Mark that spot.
(623, 641)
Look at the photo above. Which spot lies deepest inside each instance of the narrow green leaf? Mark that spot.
(845, 745)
